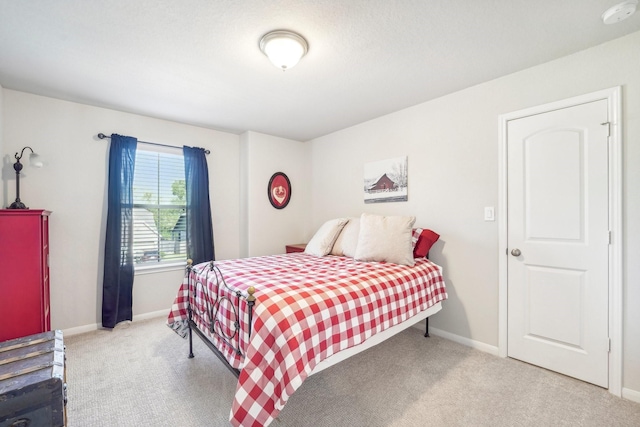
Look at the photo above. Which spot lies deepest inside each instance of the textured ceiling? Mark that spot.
(198, 62)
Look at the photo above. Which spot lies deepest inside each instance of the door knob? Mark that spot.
(516, 252)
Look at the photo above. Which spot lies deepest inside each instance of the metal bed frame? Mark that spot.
(212, 309)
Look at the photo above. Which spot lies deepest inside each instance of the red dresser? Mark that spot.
(24, 273)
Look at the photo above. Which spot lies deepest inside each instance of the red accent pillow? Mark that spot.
(425, 241)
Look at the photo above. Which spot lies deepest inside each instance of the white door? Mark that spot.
(558, 237)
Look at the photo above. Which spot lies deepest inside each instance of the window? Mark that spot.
(159, 207)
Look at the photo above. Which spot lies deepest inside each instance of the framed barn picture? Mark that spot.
(386, 181)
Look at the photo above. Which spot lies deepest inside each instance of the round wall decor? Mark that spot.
(279, 190)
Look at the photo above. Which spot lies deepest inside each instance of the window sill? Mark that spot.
(160, 268)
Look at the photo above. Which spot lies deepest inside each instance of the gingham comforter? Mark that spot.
(307, 308)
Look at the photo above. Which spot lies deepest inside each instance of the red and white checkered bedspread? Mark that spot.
(307, 308)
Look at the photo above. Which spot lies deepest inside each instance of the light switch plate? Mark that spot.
(489, 214)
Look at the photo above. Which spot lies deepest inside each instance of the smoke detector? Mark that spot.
(619, 12)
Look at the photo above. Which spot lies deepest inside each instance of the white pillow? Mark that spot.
(347, 240)
(322, 242)
(385, 238)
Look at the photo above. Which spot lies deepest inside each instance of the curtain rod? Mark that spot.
(103, 136)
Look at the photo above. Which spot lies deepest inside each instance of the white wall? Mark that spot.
(452, 144)
(269, 230)
(73, 186)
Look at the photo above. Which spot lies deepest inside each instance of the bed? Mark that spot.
(275, 320)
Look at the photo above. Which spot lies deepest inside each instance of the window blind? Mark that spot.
(159, 207)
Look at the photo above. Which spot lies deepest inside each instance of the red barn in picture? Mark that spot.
(383, 183)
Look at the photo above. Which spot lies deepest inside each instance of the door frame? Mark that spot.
(614, 104)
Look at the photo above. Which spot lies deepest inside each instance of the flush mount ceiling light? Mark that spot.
(619, 12)
(283, 48)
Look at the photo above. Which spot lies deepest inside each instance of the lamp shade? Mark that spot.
(35, 160)
(283, 48)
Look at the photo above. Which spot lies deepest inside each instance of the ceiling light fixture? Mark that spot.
(619, 12)
(283, 48)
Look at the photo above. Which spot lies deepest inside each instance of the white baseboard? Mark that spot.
(95, 326)
(81, 329)
(632, 395)
(465, 341)
(151, 315)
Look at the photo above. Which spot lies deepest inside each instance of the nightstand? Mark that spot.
(295, 248)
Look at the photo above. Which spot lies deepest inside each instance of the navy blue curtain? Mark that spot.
(199, 226)
(117, 285)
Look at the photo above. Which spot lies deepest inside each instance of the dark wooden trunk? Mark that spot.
(32, 383)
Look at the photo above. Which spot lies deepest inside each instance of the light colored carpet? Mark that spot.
(139, 375)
